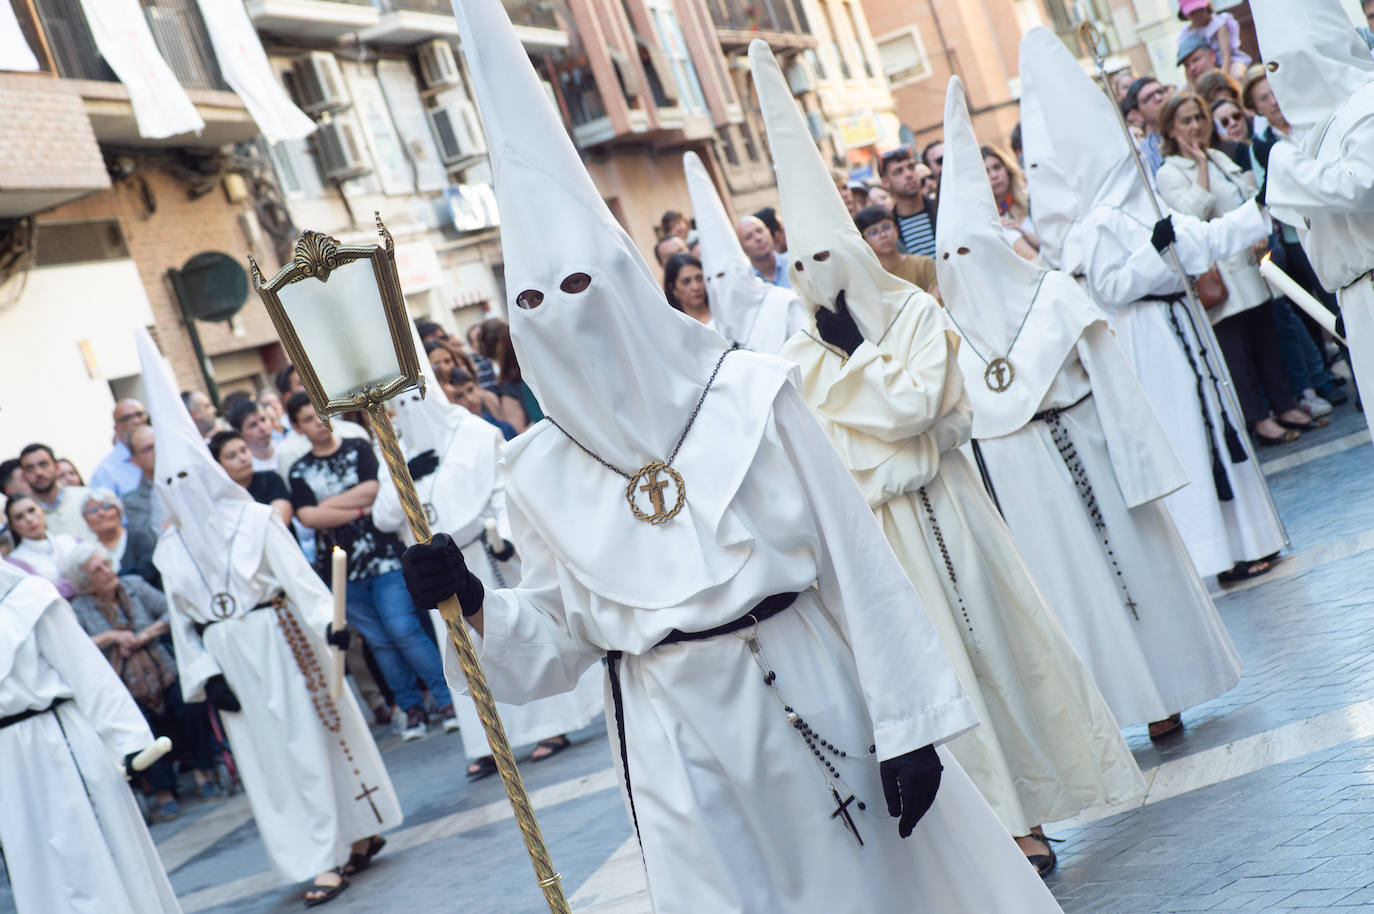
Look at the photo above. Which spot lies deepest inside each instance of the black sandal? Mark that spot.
(1044, 863)
(359, 862)
(484, 767)
(330, 892)
(1174, 724)
(1289, 435)
(555, 745)
(1244, 571)
(1310, 426)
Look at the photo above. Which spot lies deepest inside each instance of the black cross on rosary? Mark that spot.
(367, 795)
(842, 812)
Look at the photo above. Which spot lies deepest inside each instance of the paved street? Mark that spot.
(1266, 803)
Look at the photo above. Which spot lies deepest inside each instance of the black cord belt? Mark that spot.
(270, 603)
(1171, 299)
(22, 716)
(766, 608)
(1055, 411)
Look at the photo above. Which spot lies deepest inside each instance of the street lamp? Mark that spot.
(343, 304)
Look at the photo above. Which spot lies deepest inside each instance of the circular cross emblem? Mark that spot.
(999, 375)
(222, 605)
(431, 516)
(653, 486)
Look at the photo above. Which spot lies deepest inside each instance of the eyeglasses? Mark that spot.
(879, 230)
(96, 509)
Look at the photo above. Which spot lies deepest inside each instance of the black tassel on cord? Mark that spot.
(1233, 444)
(1219, 477)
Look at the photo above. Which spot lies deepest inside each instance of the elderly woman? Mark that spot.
(126, 618)
(130, 551)
(36, 551)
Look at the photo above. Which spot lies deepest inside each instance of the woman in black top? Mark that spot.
(267, 488)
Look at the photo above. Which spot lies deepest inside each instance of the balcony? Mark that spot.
(407, 22)
(180, 35)
(781, 23)
(322, 20)
(538, 24)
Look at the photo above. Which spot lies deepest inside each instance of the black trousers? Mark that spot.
(1250, 343)
(188, 727)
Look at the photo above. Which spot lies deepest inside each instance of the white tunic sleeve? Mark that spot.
(306, 593)
(1301, 183)
(913, 696)
(195, 666)
(98, 692)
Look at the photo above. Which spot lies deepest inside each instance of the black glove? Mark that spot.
(339, 639)
(435, 571)
(218, 694)
(1163, 234)
(909, 784)
(422, 464)
(129, 771)
(838, 328)
(506, 553)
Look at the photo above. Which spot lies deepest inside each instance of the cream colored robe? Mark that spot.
(897, 413)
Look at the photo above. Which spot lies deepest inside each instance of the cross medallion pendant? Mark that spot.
(999, 375)
(653, 487)
(222, 605)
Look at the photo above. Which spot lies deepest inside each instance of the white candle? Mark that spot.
(160, 747)
(1298, 295)
(494, 536)
(339, 580)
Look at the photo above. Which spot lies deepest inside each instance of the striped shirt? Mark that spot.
(917, 233)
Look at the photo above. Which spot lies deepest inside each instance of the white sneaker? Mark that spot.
(1313, 405)
(450, 719)
(415, 727)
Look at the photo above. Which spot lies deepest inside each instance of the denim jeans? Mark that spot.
(381, 610)
(1302, 360)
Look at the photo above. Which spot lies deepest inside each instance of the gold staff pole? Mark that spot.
(358, 327)
(1091, 39)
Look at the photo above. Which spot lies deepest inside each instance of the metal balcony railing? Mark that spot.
(438, 7)
(177, 29)
(757, 15)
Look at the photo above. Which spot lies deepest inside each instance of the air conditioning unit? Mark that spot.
(458, 131)
(319, 82)
(438, 66)
(800, 77)
(341, 151)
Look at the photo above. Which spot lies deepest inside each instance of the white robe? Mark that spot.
(778, 315)
(74, 837)
(897, 412)
(473, 452)
(1178, 652)
(311, 797)
(732, 811)
(1112, 250)
(1326, 188)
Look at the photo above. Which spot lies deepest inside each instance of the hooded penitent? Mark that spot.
(1070, 123)
(1018, 321)
(618, 370)
(1315, 59)
(209, 510)
(748, 310)
(431, 423)
(828, 255)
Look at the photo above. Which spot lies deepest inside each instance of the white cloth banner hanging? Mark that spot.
(161, 106)
(15, 53)
(244, 65)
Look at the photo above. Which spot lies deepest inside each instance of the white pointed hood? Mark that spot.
(197, 494)
(1076, 154)
(1315, 59)
(750, 311)
(817, 222)
(613, 364)
(466, 446)
(1001, 304)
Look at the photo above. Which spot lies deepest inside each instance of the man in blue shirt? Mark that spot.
(1145, 97)
(757, 242)
(115, 472)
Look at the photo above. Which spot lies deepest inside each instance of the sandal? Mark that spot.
(1162, 728)
(1290, 434)
(555, 745)
(1044, 863)
(359, 862)
(1310, 426)
(482, 768)
(330, 892)
(1242, 571)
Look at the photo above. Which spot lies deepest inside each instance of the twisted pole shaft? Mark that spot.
(549, 881)
(1091, 39)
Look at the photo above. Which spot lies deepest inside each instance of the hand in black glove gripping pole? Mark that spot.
(1163, 234)
(838, 328)
(909, 784)
(435, 571)
(340, 639)
(218, 693)
(422, 464)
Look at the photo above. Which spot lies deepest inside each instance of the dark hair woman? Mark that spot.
(684, 285)
(519, 408)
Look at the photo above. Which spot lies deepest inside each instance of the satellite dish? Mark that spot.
(213, 286)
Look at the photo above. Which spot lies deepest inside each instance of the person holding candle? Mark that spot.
(250, 624)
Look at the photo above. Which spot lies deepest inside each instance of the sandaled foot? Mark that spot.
(1162, 728)
(327, 887)
(483, 767)
(1300, 421)
(550, 747)
(1038, 853)
(357, 862)
(1244, 570)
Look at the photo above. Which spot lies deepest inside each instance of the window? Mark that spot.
(671, 40)
(858, 40)
(904, 57)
